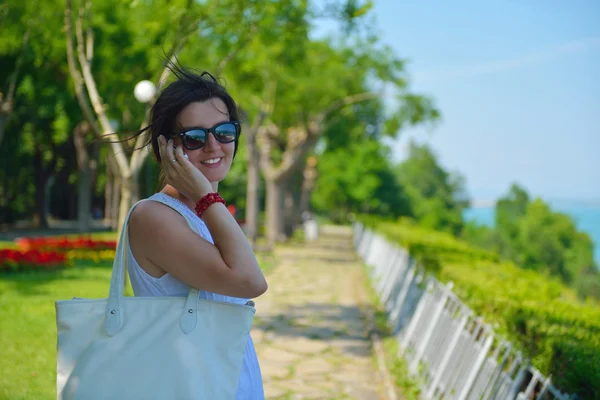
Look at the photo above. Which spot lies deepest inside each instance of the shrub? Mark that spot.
(537, 312)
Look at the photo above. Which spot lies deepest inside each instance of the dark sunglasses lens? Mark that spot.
(226, 133)
(194, 139)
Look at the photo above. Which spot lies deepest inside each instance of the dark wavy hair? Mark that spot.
(188, 87)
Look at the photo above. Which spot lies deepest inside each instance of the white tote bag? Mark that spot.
(144, 348)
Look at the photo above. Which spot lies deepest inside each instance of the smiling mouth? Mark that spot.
(211, 161)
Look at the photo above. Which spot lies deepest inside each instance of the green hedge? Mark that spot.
(536, 312)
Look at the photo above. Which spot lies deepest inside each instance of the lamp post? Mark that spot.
(144, 92)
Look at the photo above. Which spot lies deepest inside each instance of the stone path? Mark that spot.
(310, 330)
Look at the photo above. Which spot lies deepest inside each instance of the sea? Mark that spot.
(587, 219)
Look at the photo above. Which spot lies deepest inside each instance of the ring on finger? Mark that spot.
(173, 161)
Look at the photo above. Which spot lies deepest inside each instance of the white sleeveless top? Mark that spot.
(250, 384)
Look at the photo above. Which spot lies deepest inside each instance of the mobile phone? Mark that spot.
(184, 153)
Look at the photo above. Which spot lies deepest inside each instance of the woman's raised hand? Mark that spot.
(181, 173)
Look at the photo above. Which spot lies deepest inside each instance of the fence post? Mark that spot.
(387, 270)
(390, 277)
(406, 284)
(398, 270)
(416, 316)
(476, 367)
(544, 388)
(431, 326)
(517, 382)
(444, 363)
(496, 381)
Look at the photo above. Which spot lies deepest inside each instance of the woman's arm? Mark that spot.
(161, 240)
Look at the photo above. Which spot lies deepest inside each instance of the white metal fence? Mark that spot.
(451, 351)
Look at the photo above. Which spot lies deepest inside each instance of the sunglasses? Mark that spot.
(196, 138)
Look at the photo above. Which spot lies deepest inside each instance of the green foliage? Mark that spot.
(36, 140)
(357, 179)
(478, 235)
(262, 50)
(437, 198)
(532, 235)
(549, 241)
(233, 188)
(536, 311)
(587, 283)
(430, 248)
(509, 210)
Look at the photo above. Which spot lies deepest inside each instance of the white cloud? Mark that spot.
(508, 64)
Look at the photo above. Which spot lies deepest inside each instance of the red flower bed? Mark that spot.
(15, 260)
(63, 244)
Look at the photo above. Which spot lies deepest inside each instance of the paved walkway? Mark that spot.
(310, 329)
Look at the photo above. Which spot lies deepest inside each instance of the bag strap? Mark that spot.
(114, 310)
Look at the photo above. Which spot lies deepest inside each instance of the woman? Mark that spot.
(194, 137)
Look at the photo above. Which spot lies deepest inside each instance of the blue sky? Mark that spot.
(518, 84)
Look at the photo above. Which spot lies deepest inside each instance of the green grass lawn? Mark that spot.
(28, 325)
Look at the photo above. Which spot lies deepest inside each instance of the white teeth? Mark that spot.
(211, 161)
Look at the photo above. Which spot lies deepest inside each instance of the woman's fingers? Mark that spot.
(170, 156)
(166, 158)
(180, 156)
(161, 151)
(178, 153)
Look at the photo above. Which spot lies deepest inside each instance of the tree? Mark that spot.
(279, 45)
(257, 60)
(587, 283)
(548, 241)
(509, 210)
(87, 169)
(533, 236)
(14, 48)
(437, 198)
(39, 111)
(309, 93)
(186, 17)
(253, 62)
(358, 179)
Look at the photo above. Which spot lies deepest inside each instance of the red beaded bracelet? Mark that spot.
(206, 202)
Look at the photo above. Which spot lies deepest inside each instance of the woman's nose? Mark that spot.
(211, 142)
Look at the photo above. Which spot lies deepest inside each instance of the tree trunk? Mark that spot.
(3, 123)
(290, 210)
(308, 183)
(129, 189)
(40, 178)
(86, 171)
(300, 140)
(114, 202)
(111, 195)
(84, 199)
(274, 211)
(108, 195)
(252, 189)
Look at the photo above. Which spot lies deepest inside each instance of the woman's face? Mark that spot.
(207, 114)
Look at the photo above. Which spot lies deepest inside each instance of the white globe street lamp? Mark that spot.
(144, 91)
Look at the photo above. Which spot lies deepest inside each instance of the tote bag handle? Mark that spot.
(115, 317)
